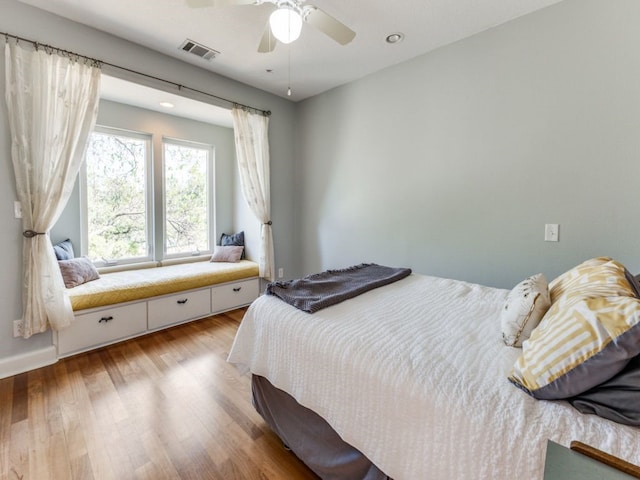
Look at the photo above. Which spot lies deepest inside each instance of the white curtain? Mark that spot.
(252, 150)
(52, 102)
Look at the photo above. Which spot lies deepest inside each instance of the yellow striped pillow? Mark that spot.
(597, 277)
(580, 343)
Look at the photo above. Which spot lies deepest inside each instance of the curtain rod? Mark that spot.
(179, 86)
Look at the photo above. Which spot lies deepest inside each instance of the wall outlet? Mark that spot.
(17, 328)
(280, 272)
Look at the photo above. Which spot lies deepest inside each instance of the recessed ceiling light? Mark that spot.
(167, 104)
(394, 38)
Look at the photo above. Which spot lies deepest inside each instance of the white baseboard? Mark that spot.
(27, 361)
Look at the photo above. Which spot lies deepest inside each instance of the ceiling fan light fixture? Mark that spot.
(286, 24)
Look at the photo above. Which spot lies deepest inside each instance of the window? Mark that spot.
(117, 197)
(187, 198)
(120, 224)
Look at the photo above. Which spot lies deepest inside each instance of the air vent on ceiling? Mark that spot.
(198, 49)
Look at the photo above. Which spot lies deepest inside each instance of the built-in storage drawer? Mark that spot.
(90, 330)
(232, 295)
(178, 308)
(104, 325)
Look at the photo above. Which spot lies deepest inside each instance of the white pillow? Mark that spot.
(227, 253)
(525, 306)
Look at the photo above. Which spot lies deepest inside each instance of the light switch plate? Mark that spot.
(551, 231)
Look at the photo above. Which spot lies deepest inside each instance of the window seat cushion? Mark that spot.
(130, 285)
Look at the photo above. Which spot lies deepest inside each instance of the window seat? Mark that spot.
(126, 304)
(130, 285)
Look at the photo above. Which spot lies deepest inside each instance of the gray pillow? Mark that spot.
(236, 239)
(77, 271)
(64, 250)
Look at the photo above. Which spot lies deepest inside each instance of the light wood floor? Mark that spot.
(166, 405)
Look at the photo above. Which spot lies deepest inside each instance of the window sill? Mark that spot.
(189, 259)
(154, 264)
(127, 266)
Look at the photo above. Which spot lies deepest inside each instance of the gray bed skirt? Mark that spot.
(310, 437)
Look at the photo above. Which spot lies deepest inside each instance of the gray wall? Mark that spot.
(453, 162)
(25, 21)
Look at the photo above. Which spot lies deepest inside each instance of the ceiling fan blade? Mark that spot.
(328, 25)
(268, 42)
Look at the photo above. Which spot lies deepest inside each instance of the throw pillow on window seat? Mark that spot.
(64, 250)
(228, 253)
(77, 271)
(237, 239)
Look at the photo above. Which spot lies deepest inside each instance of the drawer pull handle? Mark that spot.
(105, 319)
(182, 302)
(237, 289)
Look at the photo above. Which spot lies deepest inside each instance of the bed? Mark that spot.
(414, 377)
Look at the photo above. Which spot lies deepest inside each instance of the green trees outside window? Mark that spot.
(119, 197)
(186, 202)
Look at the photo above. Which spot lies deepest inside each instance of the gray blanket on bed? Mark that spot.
(321, 290)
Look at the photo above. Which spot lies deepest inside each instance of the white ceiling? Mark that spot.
(317, 62)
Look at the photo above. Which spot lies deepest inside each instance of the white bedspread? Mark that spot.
(414, 375)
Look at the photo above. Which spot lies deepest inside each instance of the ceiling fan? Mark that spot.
(285, 22)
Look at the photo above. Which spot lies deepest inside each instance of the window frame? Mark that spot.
(149, 199)
(211, 210)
